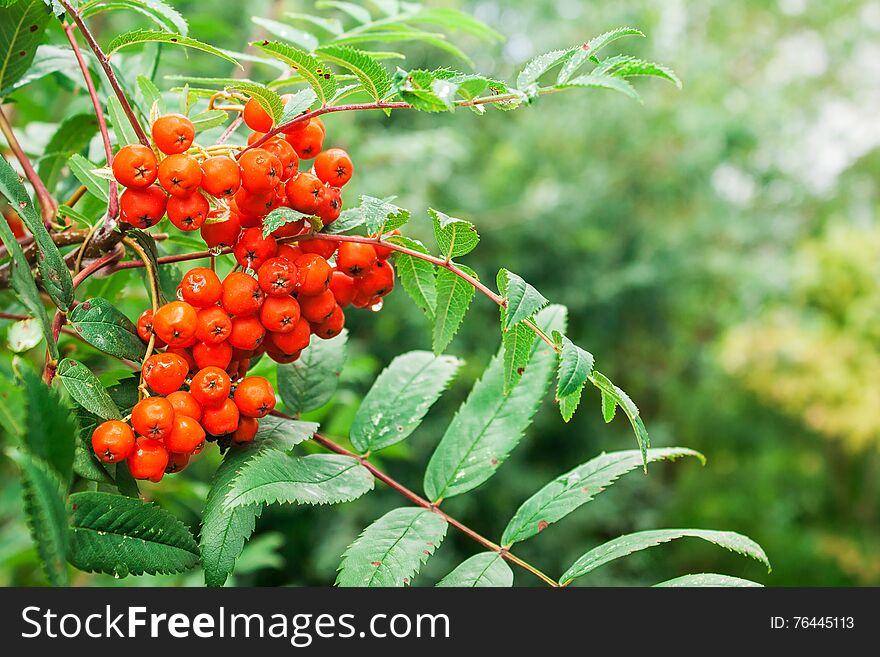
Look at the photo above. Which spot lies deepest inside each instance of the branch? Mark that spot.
(48, 206)
(425, 504)
(104, 61)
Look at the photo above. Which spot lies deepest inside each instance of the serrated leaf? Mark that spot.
(122, 536)
(46, 517)
(372, 75)
(575, 365)
(159, 12)
(570, 491)
(487, 569)
(523, 300)
(72, 135)
(708, 579)
(399, 32)
(48, 60)
(283, 433)
(453, 19)
(208, 119)
(22, 24)
(287, 32)
(298, 103)
(357, 12)
(381, 215)
(53, 271)
(84, 171)
(136, 37)
(106, 328)
(49, 427)
(311, 381)
(629, 543)
(418, 277)
(518, 343)
(590, 49)
(454, 296)
(25, 287)
(603, 82)
(274, 477)
(455, 237)
(629, 408)
(122, 128)
(490, 423)
(280, 217)
(624, 66)
(426, 91)
(609, 407)
(318, 76)
(535, 68)
(225, 531)
(330, 25)
(85, 388)
(399, 399)
(269, 100)
(392, 549)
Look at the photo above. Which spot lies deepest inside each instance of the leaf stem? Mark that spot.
(104, 61)
(48, 206)
(422, 502)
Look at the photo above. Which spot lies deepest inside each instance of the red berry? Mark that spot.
(135, 166)
(323, 248)
(142, 208)
(377, 281)
(148, 459)
(200, 287)
(304, 193)
(210, 386)
(112, 441)
(241, 294)
(175, 323)
(176, 462)
(331, 205)
(285, 154)
(253, 207)
(332, 326)
(221, 233)
(318, 307)
(383, 252)
(152, 417)
(252, 249)
(221, 176)
(188, 212)
(165, 373)
(355, 259)
(309, 141)
(261, 171)
(256, 117)
(221, 419)
(186, 355)
(145, 328)
(173, 133)
(212, 355)
(180, 175)
(277, 277)
(184, 403)
(247, 333)
(246, 431)
(186, 435)
(254, 397)
(280, 314)
(334, 167)
(313, 274)
(213, 325)
(342, 286)
(292, 342)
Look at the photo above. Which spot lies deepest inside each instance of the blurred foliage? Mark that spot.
(718, 251)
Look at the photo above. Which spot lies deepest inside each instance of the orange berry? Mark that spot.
(254, 397)
(148, 459)
(152, 417)
(173, 133)
(135, 166)
(112, 441)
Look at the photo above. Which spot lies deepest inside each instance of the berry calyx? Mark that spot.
(135, 166)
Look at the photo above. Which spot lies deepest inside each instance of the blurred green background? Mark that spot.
(719, 252)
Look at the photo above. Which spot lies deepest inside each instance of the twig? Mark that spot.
(153, 278)
(48, 206)
(104, 61)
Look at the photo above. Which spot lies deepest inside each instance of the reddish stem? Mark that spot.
(48, 206)
(104, 61)
(113, 202)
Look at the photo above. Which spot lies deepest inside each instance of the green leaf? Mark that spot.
(73, 134)
(527, 79)
(708, 579)
(283, 433)
(371, 74)
(122, 536)
(491, 422)
(575, 365)
(426, 91)
(316, 74)
(481, 570)
(453, 19)
(287, 32)
(381, 215)
(518, 344)
(123, 130)
(53, 271)
(22, 24)
(159, 12)
(84, 171)
(590, 49)
(106, 328)
(620, 398)
(456, 237)
(624, 66)
(523, 300)
(208, 119)
(280, 217)
(23, 283)
(399, 399)
(274, 477)
(151, 36)
(629, 543)
(576, 487)
(85, 388)
(151, 94)
(49, 426)
(418, 277)
(268, 99)
(391, 551)
(603, 82)
(399, 32)
(298, 103)
(311, 381)
(24, 335)
(609, 407)
(48, 60)
(454, 296)
(330, 25)
(45, 514)
(357, 12)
